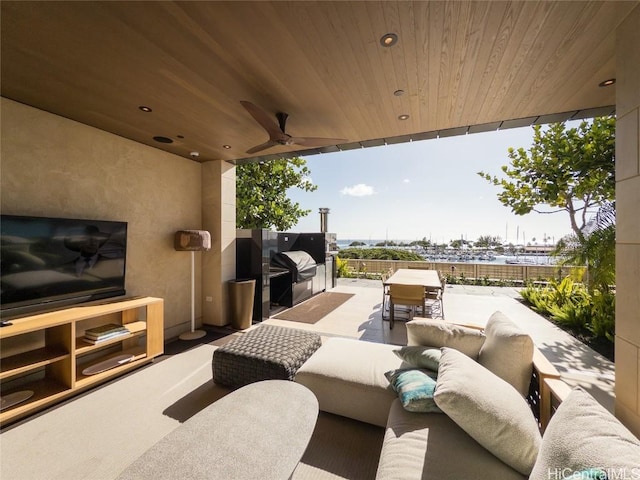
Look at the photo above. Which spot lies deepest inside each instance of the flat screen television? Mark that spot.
(48, 263)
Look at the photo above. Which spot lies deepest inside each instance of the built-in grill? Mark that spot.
(301, 265)
(296, 285)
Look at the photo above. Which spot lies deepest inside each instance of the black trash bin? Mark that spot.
(241, 293)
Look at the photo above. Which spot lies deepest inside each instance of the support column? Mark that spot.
(627, 340)
(219, 217)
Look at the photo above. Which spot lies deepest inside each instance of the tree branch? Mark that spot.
(553, 211)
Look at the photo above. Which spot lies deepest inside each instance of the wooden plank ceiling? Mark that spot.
(459, 64)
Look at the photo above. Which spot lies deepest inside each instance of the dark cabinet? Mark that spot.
(275, 287)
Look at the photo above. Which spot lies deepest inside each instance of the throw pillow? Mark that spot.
(489, 409)
(421, 357)
(507, 352)
(582, 435)
(438, 333)
(415, 389)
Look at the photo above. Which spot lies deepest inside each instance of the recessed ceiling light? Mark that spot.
(403, 117)
(607, 82)
(389, 40)
(227, 147)
(163, 139)
(145, 109)
(398, 93)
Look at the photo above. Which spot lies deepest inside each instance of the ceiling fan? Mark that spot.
(276, 131)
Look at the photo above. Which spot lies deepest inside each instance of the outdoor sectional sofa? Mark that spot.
(472, 417)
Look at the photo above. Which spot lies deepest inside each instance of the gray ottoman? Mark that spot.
(257, 432)
(266, 353)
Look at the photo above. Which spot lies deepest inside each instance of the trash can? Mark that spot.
(241, 292)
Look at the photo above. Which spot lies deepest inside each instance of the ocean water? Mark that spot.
(465, 257)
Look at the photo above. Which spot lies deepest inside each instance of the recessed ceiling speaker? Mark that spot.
(192, 241)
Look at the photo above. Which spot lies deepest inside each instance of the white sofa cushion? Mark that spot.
(488, 409)
(583, 435)
(507, 352)
(438, 333)
(431, 445)
(348, 378)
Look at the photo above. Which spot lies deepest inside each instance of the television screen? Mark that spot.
(51, 262)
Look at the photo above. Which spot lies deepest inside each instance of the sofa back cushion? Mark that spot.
(438, 333)
(489, 409)
(507, 352)
(583, 435)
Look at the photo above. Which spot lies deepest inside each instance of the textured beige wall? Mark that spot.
(219, 217)
(52, 166)
(628, 222)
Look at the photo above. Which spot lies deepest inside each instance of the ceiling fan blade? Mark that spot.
(316, 142)
(264, 119)
(262, 146)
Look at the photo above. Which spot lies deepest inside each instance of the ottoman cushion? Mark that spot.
(266, 353)
(348, 378)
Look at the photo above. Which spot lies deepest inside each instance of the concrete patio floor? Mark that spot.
(360, 317)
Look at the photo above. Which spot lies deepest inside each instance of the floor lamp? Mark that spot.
(192, 241)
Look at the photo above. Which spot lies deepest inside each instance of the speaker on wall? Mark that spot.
(192, 240)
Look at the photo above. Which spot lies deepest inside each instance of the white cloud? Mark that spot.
(359, 190)
(406, 180)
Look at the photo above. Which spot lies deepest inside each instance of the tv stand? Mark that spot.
(46, 353)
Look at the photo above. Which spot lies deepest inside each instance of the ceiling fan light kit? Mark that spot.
(277, 132)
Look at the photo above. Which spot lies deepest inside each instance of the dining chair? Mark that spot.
(409, 295)
(385, 292)
(434, 300)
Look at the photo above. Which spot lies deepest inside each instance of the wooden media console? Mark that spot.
(44, 355)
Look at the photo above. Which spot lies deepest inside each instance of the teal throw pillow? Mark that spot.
(415, 389)
(421, 357)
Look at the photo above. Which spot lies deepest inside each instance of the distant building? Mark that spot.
(539, 248)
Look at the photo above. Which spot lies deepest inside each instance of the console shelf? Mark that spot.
(47, 353)
(31, 360)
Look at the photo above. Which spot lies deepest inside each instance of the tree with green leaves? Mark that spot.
(261, 193)
(574, 171)
(571, 170)
(488, 241)
(597, 249)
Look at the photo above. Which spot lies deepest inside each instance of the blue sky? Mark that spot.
(422, 189)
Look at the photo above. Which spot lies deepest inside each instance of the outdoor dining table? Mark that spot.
(415, 276)
(429, 279)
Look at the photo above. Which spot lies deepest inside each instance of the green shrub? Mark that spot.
(571, 304)
(379, 254)
(573, 313)
(341, 268)
(603, 315)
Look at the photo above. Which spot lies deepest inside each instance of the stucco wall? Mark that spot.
(628, 222)
(52, 166)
